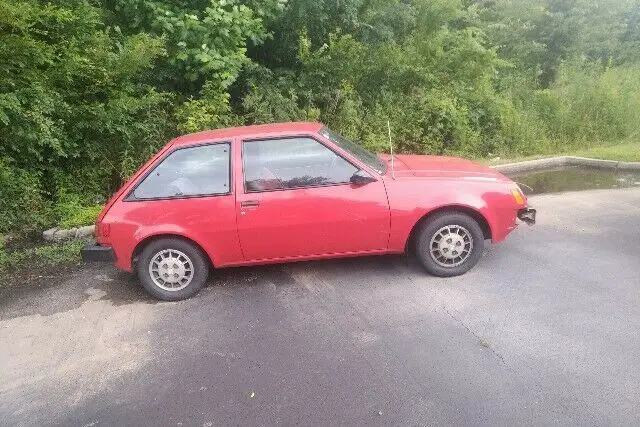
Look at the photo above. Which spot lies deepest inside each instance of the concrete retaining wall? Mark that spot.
(58, 235)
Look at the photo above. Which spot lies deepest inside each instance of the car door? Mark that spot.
(296, 200)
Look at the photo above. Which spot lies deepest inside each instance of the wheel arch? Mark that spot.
(473, 213)
(149, 239)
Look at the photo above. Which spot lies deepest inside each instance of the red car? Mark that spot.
(296, 191)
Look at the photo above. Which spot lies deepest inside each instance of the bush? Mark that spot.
(596, 103)
(89, 90)
(71, 210)
(588, 105)
(23, 206)
(78, 216)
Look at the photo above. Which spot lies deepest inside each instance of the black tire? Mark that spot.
(199, 270)
(432, 226)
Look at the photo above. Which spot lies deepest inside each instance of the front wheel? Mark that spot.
(172, 269)
(449, 244)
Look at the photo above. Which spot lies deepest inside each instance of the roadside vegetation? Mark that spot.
(90, 89)
(620, 151)
(36, 258)
(624, 152)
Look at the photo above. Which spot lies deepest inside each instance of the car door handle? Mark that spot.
(249, 203)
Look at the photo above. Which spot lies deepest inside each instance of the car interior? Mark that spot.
(188, 172)
(292, 163)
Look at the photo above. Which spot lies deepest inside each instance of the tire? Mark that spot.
(449, 259)
(182, 264)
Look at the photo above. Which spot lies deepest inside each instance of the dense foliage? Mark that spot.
(89, 89)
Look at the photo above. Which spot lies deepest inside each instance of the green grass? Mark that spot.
(623, 152)
(42, 256)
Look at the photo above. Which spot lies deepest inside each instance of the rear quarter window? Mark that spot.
(188, 172)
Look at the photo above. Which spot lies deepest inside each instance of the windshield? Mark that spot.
(364, 155)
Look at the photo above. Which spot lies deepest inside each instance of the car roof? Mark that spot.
(273, 129)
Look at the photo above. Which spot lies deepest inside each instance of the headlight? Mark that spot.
(518, 196)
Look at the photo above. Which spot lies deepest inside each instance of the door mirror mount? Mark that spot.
(361, 177)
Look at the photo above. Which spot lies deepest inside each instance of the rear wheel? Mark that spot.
(449, 244)
(172, 269)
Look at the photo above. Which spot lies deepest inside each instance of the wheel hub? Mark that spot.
(451, 246)
(171, 270)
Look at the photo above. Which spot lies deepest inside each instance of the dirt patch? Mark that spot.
(65, 289)
(37, 275)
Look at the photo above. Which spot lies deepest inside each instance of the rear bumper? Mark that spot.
(93, 252)
(527, 215)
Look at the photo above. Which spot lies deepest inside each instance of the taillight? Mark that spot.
(102, 229)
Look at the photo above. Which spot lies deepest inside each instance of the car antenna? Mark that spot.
(393, 173)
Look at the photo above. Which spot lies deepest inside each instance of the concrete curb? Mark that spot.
(554, 162)
(58, 235)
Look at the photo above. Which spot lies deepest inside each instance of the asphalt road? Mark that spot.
(545, 330)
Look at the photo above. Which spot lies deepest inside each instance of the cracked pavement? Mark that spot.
(544, 331)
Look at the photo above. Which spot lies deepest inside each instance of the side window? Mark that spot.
(193, 171)
(276, 164)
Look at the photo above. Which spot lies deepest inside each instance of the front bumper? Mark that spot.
(93, 252)
(527, 215)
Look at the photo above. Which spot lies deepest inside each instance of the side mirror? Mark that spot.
(361, 178)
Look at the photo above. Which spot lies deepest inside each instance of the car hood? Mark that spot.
(413, 165)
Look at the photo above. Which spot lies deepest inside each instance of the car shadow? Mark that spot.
(68, 288)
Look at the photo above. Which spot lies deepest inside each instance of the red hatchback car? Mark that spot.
(296, 191)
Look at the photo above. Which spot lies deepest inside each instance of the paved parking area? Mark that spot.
(545, 330)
